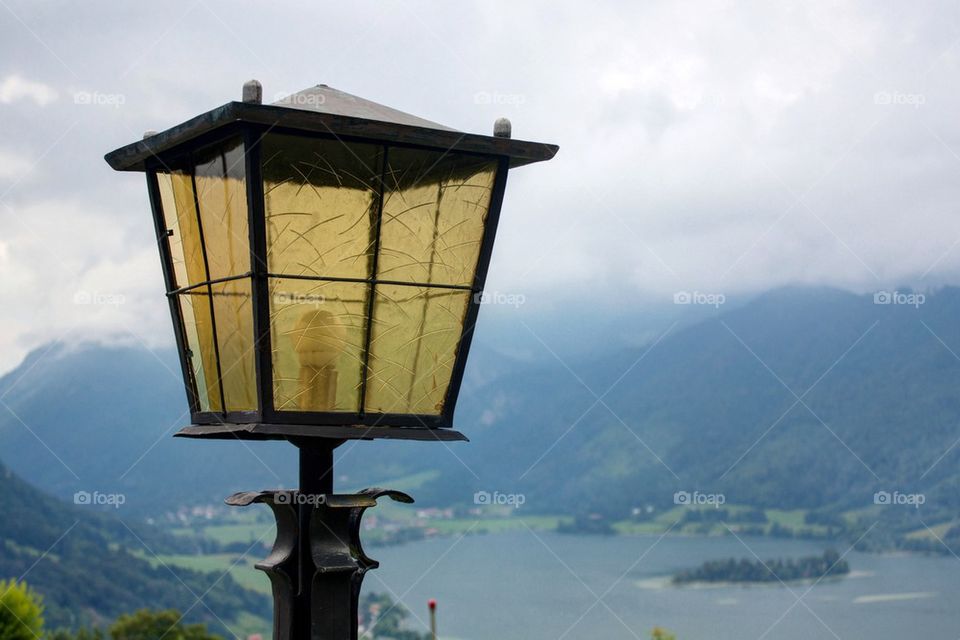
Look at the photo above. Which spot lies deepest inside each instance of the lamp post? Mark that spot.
(323, 259)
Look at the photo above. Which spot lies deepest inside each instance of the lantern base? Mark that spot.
(317, 563)
(260, 431)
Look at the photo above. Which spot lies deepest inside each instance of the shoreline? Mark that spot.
(666, 582)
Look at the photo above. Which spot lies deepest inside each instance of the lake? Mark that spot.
(534, 586)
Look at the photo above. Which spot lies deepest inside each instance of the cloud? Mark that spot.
(12, 165)
(738, 150)
(70, 272)
(14, 88)
(705, 146)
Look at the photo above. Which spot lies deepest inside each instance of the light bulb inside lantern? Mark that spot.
(318, 340)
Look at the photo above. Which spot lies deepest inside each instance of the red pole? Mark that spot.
(432, 603)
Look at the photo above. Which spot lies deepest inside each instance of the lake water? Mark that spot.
(546, 586)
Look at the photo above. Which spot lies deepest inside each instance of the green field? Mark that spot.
(457, 526)
(240, 568)
(671, 520)
(249, 533)
(791, 519)
(934, 532)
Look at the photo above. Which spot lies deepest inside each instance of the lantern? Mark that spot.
(324, 258)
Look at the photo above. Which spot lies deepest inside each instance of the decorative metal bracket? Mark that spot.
(317, 563)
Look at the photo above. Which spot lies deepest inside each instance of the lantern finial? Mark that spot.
(253, 92)
(502, 128)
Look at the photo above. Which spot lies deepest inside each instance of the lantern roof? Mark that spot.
(324, 110)
(324, 99)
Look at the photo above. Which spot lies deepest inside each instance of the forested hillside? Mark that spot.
(90, 568)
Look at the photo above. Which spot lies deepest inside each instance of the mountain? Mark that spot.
(709, 405)
(92, 567)
(86, 417)
(91, 418)
(801, 398)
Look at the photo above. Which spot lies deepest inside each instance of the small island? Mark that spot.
(830, 564)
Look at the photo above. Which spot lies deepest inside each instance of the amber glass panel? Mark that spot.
(222, 194)
(434, 211)
(180, 217)
(317, 336)
(416, 331)
(198, 335)
(234, 315)
(217, 183)
(321, 199)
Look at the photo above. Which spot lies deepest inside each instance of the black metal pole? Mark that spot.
(316, 479)
(316, 467)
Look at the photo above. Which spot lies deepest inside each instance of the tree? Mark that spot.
(21, 612)
(659, 633)
(386, 618)
(150, 625)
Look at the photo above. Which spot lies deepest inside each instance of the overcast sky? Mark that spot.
(710, 146)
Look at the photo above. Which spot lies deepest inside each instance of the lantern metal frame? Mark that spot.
(249, 123)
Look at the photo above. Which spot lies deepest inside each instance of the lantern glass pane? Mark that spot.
(204, 202)
(434, 210)
(180, 217)
(317, 331)
(198, 337)
(222, 194)
(321, 199)
(233, 311)
(416, 332)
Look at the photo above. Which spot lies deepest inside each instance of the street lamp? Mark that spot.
(324, 258)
